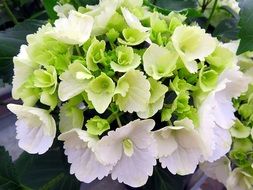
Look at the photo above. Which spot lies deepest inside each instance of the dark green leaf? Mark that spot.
(227, 30)
(10, 42)
(162, 179)
(49, 6)
(48, 170)
(176, 4)
(8, 175)
(22, 2)
(86, 2)
(246, 26)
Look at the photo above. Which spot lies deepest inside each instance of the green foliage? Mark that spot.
(48, 171)
(10, 42)
(8, 176)
(164, 180)
(49, 6)
(176, 4)
(246, 27)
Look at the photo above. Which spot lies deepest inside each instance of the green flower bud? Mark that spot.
(97, 125)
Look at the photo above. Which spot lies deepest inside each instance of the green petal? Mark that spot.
(95, 54)
(100, 92)
(133, 37)
(126, 59)
(71, 116)
(49, 99)
(97, 125)
(160, 65)
(207, 79)
(73, 81)
(239, 130)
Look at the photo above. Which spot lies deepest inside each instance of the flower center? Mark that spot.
(128, 147)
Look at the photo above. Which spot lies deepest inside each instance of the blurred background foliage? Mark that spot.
(21, 17)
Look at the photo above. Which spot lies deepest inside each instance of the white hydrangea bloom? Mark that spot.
(78, 145)
(216, 113)
(179, 147)
(75, 29)
(132, 92)
(239, 180)
(36, 128)
(23, 68)
(63, 10)
(131, 150)
(219, 169)
(191, 43)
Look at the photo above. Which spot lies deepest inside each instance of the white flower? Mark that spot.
(219, 169)
(63, 10)
(78, 145)
(76, 29)
(216, 113)
(23, 69)
(36, 128)
(179, 147)
(239, 180)
(191, 43)
(132, 21)
(131, 150)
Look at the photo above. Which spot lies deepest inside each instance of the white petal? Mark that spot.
(84, 164)
(75, 29)
(132, 20)
(134, 170)
(219, 169)
(36, 129)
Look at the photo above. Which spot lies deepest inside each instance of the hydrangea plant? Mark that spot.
(125, 87)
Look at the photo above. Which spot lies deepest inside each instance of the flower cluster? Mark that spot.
(118, 63)
(236, 170)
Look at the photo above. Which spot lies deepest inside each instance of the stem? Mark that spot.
(114, 116)
(11, 15)
(78, 50)
(211, 14)
(118, 121)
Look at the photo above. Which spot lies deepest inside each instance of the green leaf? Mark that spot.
(246, 27)
(8, 175)
(86, 2)
(48, 171)
(227, 30)
(49, 6)
(176, 4)
(10, 42)
(162, 179)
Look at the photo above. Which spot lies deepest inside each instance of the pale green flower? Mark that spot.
(46, 79)
(159, 62)
(117, 22)
(50, 99)
(71, 114)
(239, 130)
(132, 92)
(97, 125)
(36, 128)
(73, 81)
(207, 79)
(157, 91)
(63, 10)
(221, 58)
(76, 29)
(191, 43)
(95, 54)
(29, 96)
(23, 69)
(126, 59)
(100, 92)
(44, 50)
(133, 37)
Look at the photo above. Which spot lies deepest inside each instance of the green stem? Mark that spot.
(211, 14)
(78, 50)
(118, 121)
(11, 15)
(113, 116)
